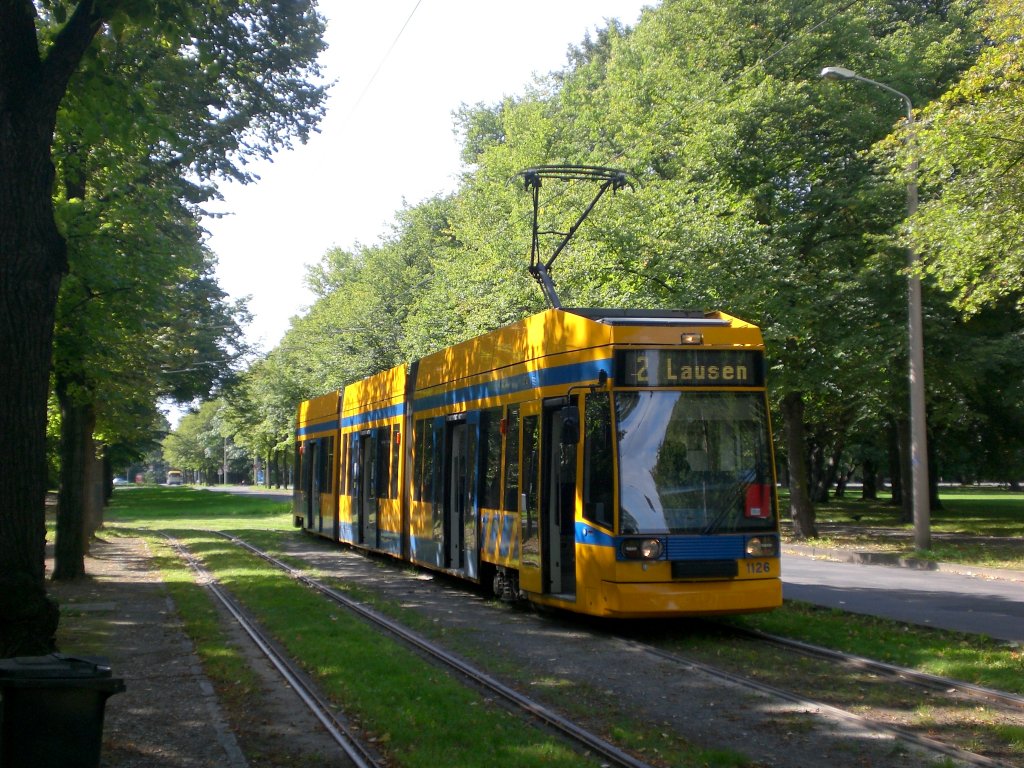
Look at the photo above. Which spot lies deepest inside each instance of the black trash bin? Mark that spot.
(51, 714)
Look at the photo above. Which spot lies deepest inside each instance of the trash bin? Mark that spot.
(51, 713)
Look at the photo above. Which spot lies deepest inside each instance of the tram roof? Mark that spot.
(694, 317)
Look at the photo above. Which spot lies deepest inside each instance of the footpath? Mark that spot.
(168, 715)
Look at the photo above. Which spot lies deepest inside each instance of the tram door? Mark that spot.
(310, 481)
(558, 498)
(530, 571)
(547, 503)
(317, 465)
(460, 539)
(365, 450)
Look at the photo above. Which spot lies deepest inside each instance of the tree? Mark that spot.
(244, 83)
(971, 147)
(198, 444)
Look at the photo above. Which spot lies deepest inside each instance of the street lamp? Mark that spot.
(918, 425)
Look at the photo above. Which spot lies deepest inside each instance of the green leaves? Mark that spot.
(971, 151)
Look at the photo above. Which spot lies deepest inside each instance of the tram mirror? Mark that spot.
(570, 425)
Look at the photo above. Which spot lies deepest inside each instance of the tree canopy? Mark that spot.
(760, 189)
(971, 146)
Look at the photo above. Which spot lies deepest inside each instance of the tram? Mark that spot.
(609, 462)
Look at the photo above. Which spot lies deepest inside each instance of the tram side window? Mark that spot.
(343, 467)
(326, 466)
(490, 458)
(417, 464)
(353, 465)
(424, 465)
(598, 474)
(512, 460)
(396, 447)
(383, 462)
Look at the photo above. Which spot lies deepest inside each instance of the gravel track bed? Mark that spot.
(607, 676)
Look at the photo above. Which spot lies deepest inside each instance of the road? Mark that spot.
(964, 603)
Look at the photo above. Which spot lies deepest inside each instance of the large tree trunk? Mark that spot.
(800, 507)
(33, 259)
(76, 453)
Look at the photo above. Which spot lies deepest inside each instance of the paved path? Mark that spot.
(168, 716)
(937, 598)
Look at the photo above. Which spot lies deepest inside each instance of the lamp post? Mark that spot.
(918, 424)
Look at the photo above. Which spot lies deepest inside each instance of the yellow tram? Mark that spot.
(609, 462)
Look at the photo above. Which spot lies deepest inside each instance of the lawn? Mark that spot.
(980, 526)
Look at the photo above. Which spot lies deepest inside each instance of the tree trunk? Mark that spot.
(907, 492)
(800, 507)
(935, 503)
(869, 490)
(895, 470)
(33, 259)
(816, 470)
(94, 501)
(834, 477)
(76, 452)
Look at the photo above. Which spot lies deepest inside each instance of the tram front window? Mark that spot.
(693, 462)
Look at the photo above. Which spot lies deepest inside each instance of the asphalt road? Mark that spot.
(964, 603)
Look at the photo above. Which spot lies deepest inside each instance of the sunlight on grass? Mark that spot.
(1014, 735)
(971, 658)
(171, 508)
(978, 526)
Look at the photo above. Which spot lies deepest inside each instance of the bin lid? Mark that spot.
(54, 666)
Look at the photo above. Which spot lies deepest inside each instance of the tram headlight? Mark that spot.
(641, 549)
(762, 546)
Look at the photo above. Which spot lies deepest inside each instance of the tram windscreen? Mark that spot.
(693, 462)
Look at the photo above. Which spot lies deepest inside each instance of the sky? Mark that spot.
(400, 68)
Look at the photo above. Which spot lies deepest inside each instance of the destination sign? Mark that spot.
(688, 368)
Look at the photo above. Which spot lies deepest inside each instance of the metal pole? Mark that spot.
(920, 498)
(918, 416)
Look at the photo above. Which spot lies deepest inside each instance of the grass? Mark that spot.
(424, 716)
(970, 658)
(976, 526)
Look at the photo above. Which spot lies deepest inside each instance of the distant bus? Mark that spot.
(174, 477)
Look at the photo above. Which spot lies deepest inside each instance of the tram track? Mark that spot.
(823, 709)
(354, 748)
(610, 755)
(912, 676)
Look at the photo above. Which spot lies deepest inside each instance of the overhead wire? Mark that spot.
(387, 55)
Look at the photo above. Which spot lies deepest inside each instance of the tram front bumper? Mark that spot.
(685, 598)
